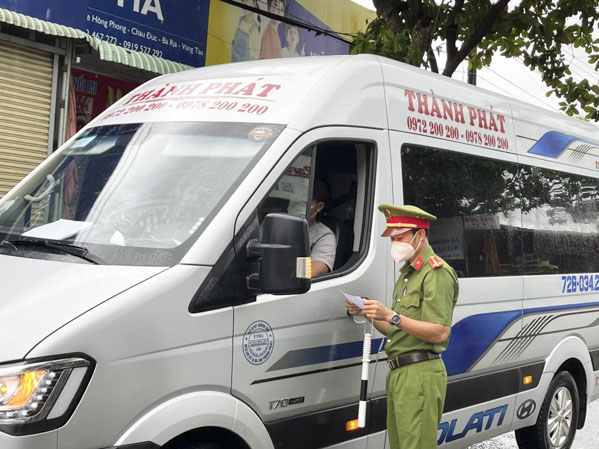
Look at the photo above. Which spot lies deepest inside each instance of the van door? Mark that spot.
(297, 358)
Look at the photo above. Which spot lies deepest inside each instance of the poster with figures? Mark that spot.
(94, 93)
(238, 34)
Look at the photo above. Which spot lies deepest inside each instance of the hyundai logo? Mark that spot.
(526, 409)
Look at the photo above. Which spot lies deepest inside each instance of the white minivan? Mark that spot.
(155, 270)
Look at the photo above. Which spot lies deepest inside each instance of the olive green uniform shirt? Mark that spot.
(427, 290)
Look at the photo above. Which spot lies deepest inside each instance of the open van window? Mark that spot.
(135, 194)
(338, 174)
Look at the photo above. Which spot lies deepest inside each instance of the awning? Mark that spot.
(115, 53)
(107, 52)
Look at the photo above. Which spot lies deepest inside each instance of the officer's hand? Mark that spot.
(353, 309)
(375, 310)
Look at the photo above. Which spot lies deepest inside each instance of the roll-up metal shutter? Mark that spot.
(25, 97)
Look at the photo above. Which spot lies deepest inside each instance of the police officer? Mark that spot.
(417, 328)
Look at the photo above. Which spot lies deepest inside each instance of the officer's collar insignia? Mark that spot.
(418, 264)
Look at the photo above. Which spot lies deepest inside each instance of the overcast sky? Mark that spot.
(512, 78)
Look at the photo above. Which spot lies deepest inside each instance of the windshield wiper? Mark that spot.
(67, 248)
(7, 244)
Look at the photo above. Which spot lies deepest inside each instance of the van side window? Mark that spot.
(476, 203)
(338, 175)
(497, 218)
(560, 221)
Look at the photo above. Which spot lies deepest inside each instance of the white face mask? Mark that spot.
(401, 251)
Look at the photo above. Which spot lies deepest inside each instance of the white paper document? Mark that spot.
(58, 230)
(356, 300)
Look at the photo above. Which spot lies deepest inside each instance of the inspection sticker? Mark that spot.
(258, 342)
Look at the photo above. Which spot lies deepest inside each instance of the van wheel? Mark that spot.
(556, 425)
(206, 438)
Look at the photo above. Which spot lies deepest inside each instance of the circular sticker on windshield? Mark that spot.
(260, 134)
(258, 342)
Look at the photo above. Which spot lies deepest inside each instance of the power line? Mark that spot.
(316, 30)
(464, 72)
(584, 67)
(578, 71)
(297, 23)
(520, 88)
(574, 72)
(287, 14)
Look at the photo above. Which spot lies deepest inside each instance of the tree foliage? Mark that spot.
(536, 31)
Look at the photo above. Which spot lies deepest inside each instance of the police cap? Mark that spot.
(401, 219)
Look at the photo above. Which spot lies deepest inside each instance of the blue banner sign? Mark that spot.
(174, 30)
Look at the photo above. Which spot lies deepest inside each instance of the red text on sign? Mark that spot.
(450, 110)
(240, 89)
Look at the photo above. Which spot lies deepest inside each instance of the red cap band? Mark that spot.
(405, 222)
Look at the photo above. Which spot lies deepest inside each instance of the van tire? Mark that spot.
(561, 407)
(197, 445)
(206, 438)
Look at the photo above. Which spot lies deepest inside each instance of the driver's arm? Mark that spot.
(319, 268)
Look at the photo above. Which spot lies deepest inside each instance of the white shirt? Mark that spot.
(323, 244)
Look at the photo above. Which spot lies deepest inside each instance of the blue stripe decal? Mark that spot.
(553, 143)
(562, 307)
(472, 336)
(324, 354)
(470, 339)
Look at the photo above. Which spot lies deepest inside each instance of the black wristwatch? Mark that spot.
(395, 319)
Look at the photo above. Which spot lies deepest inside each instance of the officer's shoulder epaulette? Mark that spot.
(435, 262)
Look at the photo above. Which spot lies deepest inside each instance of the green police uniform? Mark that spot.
(426, 290)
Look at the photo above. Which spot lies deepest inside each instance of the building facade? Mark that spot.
(62, 62)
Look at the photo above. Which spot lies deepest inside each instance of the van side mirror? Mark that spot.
(284, 254)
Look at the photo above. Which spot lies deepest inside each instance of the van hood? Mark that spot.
(39, 296)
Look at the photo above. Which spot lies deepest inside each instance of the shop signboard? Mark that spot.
(174, 30)
(206, 32)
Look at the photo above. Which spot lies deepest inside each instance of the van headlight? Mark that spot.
(36, 396)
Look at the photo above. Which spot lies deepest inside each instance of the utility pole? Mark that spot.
(472, 76)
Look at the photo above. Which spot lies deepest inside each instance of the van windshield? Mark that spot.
(132, 194)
